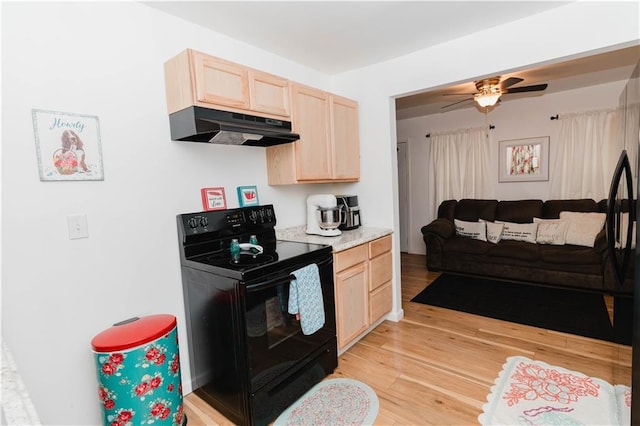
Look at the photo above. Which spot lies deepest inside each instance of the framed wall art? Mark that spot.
(247, 196)
(524, 160)
(213, 198)
(68, 146)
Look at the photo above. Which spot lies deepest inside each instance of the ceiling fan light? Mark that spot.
(487, 99)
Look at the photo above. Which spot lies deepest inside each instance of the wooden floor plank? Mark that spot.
(436, 366)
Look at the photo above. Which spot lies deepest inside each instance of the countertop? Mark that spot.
(17, 407)
(346, 240)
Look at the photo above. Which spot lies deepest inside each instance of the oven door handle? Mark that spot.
(282, 279)
(263, 285)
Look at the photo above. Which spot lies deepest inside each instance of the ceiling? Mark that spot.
(592, 70)
(338, 36)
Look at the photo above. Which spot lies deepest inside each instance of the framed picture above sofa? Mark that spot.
(524, 160)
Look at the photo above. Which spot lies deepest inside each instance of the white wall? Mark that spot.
(516, 119)
(106, 60)
(56, 293)
(563, 33)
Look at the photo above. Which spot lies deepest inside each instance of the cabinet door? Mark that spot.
(268, 93)
(220, 82)
(310, 116)
(344, 138)
(352, 300)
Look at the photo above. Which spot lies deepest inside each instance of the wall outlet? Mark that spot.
(77, 226)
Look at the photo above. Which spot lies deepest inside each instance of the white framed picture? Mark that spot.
(68, 146)
(524, 160)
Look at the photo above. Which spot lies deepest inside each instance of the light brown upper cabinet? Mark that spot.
(328, 149)
(195, 78)
(344, 139)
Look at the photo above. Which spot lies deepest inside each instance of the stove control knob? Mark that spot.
(204, 221)
(193, 222)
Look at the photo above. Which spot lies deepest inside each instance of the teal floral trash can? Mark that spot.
(138, 370)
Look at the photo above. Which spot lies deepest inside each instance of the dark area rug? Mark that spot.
(574, 312)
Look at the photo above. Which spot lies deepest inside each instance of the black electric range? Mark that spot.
(249, 357)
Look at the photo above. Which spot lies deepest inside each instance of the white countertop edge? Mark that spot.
(344, 241)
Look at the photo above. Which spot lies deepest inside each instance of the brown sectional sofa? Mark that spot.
(567, 266)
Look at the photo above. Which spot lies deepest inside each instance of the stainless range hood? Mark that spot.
(197, 124)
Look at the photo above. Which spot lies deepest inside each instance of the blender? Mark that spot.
(324, 216)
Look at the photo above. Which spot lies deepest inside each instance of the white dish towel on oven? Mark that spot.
(305, 298)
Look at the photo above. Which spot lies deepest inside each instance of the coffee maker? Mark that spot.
(350, 211)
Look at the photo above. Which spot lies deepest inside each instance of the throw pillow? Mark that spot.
(494, 231)
(519, 231)
(474, 230)
(551, 231)
(624, 226)
(583, 227)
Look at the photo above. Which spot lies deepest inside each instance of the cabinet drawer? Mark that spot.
(380, 302)
(380, 268)
(379, 246)
(350, 257)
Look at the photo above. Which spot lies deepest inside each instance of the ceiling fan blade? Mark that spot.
(532, 88)
(458, 94)
(510, 82)
(456, 103)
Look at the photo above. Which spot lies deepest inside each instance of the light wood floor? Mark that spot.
(436, 366)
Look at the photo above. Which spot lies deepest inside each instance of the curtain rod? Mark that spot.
(491, 127)
(554, 117)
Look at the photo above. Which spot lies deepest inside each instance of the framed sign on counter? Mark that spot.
(213, 198)
(248, 196)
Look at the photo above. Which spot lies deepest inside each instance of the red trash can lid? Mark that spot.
(133, 332)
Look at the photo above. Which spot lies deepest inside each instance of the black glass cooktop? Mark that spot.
(205, 238)
(280, 252)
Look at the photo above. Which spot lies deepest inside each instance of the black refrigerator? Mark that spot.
(623, 204)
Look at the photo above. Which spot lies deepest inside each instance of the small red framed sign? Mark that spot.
(213, 198)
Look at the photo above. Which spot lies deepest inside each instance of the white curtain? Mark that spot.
(589, 145)
(459, 166)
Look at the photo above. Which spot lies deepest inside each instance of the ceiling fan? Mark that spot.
(490, 90)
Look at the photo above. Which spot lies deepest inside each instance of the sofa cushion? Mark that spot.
(519, 231)
(511, 249)
(447, 209)
(522, 211)
(443, 228)
(551, 231)
(624, 227)
(552, 208)
(473, 230)
(583, 227)
(472, 210)
(464, 245)
(569, 255)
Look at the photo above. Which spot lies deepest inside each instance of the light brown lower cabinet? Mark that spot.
(362, 288)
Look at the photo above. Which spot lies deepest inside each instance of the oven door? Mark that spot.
(275, 341)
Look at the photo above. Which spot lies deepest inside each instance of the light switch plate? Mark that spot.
(77, 226)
